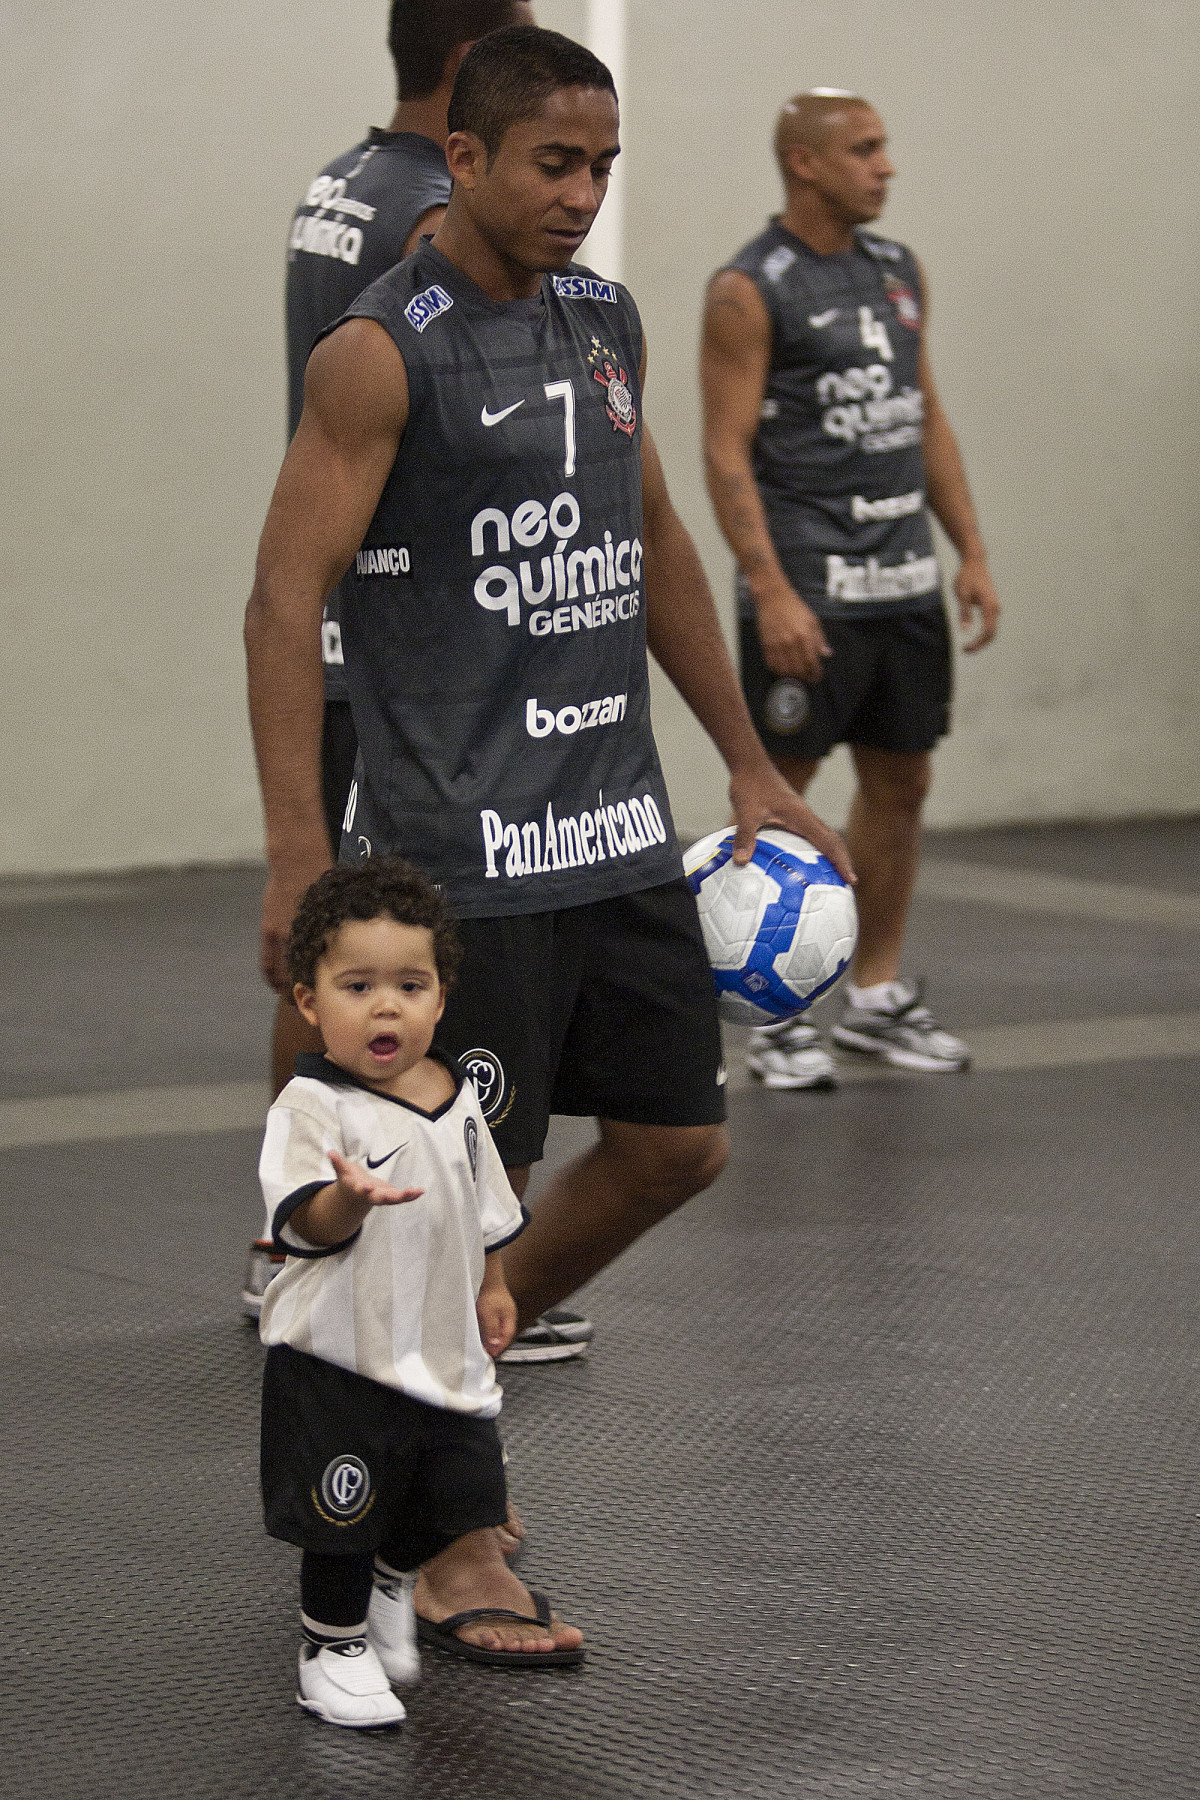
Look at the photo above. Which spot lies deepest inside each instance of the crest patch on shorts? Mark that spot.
(786, 706)
(486, 1073)
(346, 1490)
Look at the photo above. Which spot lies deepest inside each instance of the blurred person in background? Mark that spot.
(825, 449)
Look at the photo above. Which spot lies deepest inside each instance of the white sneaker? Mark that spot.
(344, 1684)
(555, 1337)
(392, 1629)
(790, 1055)
(906, 1035)
(263, 1263)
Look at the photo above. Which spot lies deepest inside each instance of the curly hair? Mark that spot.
(387, 888)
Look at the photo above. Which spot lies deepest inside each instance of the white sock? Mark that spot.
(882, 996)
(383, 1572)
(317, 1633)
(779, 1027)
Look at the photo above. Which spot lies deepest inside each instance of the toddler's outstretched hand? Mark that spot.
(360, 1186)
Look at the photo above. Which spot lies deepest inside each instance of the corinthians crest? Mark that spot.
(618, 400)
(905, 302)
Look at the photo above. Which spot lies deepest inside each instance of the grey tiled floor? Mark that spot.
(879, 1481)
(1159, 853)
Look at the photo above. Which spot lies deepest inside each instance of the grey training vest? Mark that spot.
(838, 455)
(494, 621)
(351, 228)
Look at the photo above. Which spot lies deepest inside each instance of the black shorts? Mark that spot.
(350, 1467)
(339, 747)
(606, 1011)
(886, 686)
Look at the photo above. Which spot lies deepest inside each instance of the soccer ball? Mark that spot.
(779, 931)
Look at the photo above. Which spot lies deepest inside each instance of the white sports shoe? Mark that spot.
(556, 1337)
(263, 1263)
(906, 1035)
(790, 1055)
(392, 1629)
(344, 1684)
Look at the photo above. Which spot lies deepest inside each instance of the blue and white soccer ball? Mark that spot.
(779, 931)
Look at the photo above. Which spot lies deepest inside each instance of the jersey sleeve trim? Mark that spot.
(633, 324)
(501, 1243)
(291, 1243)
(918, 281)
(748, 262)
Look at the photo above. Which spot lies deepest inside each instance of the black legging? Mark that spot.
(335, 1590)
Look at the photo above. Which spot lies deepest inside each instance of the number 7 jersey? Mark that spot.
(494, 624)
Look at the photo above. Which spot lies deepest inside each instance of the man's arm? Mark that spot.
(950, 498)
(735, 359)
(355, 411)
(687, 642)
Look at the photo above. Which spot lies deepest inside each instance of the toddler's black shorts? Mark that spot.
(351, 1467)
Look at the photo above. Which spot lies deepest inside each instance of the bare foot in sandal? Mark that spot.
(472, 1575)
(512, 1534)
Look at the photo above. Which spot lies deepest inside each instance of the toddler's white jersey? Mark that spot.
(397, 1301)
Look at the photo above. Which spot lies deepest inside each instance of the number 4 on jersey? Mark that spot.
(873, 332)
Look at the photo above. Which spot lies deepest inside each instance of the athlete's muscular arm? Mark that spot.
(950, 498)
(686, 639)
(355, 411)
(735, 359)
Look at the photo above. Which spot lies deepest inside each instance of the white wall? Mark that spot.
(153, 154)
(1048, 177)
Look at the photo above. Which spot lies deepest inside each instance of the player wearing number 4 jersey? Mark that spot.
(824, 442)
(473, 432)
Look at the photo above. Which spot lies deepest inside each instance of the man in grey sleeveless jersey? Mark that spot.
(360, 215)
(473, 451)
(825, 443)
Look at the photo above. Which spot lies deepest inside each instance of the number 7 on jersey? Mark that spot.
(565, 391)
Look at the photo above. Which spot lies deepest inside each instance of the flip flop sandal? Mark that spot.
(443, 1637)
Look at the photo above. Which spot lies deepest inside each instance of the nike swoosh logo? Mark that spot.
(378, 1162)
(490, 418)
(816, 320)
